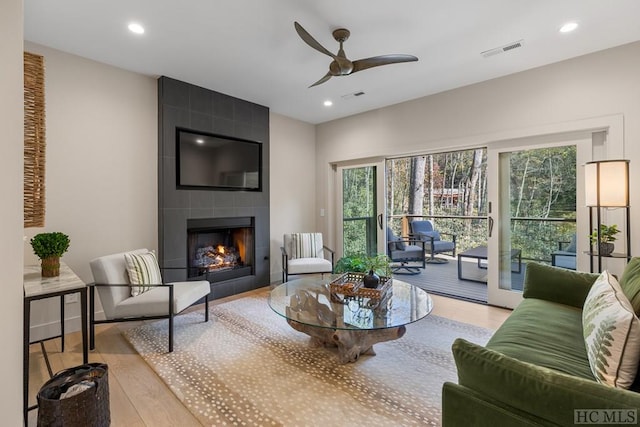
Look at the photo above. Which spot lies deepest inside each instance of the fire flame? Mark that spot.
(221, 257)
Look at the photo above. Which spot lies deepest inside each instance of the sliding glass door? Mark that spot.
(534, 198)
(361, 209)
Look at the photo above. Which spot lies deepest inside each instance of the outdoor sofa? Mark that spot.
(534, 371)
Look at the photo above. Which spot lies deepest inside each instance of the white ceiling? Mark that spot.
(249, 48)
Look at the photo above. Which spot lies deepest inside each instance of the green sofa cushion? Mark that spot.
(630, 283)
(533, 389)
(556, 284)
(546, 334)
(462, 406)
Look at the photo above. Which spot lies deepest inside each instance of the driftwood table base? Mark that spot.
(351, 324)
(350, 343)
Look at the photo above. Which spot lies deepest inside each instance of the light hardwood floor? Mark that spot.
(138, 397)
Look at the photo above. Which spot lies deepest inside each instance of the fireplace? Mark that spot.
(220, 249)
(182, 104)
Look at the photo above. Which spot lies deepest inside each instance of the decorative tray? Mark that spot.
(351, 285)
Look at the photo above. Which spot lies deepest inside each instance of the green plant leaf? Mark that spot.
(50, 244)
(607, 234)
(363, 264)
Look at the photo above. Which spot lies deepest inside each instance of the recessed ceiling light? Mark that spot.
(200, 141)
(568, 27)
(328, 103)
(134, 27)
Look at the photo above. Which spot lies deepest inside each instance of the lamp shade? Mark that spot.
(607, 183)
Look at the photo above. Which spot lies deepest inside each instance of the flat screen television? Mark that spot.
(216, 162)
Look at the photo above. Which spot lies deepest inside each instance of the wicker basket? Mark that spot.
(378, 293)
(87, 408)
(350, 285)
(347, 284)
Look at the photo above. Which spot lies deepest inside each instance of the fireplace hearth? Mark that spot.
(220, 249)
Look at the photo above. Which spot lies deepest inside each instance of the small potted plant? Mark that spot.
(49, 247)
(607, 237)
(373, 267)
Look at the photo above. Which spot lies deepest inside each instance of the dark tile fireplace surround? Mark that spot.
(238, 220)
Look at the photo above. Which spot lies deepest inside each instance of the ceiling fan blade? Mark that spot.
(322, 80)
(363, 64)
(308, 39)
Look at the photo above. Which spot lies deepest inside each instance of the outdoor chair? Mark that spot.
(304, 253)
(565, 256)
(424, 230)
(130, 288)
(409, 253)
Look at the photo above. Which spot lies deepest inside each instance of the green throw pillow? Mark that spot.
(143, 269)
(611, 333)
(630, 283)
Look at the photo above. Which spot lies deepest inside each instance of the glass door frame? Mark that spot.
(500, 209)
(380, 215)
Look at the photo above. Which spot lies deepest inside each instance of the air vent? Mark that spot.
(502, 49)
(352, 95)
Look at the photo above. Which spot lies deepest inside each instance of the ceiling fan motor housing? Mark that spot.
(345, 67)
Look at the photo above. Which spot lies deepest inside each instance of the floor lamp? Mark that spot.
(607, 186)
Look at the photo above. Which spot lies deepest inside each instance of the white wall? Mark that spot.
(101, 176)
(101, 168)
(601, 84)
(11, 163)
(292, 187)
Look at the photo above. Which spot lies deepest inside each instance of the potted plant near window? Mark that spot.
(49, 247)
(607, 237)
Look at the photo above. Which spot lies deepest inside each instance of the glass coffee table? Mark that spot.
(352, 324)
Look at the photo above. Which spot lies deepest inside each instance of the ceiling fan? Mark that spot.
(341, 66)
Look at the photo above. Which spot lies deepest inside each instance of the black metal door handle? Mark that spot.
(380, 221)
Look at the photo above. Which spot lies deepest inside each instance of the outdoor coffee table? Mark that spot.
(352, 324)
(480, 253)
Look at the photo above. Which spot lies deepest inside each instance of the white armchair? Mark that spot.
(153, 300)
(304, 253)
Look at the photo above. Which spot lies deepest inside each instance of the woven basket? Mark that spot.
(378, 293)
(50, 266)
(350, 285)
(88, 408)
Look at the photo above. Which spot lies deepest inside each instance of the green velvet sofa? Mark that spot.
(534, 370)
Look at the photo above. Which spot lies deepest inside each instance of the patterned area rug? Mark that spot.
(248, 367)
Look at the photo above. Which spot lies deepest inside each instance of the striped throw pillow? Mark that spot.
(306, 245)
(143, 269)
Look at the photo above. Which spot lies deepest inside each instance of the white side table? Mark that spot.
(37, 287)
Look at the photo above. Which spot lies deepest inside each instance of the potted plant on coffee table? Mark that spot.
(363, 263)
(607, 237)
(373, 266)
(49, 247)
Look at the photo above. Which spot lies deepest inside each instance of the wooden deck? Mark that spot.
(442, 279)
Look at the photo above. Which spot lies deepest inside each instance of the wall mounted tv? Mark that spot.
(215, 162)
